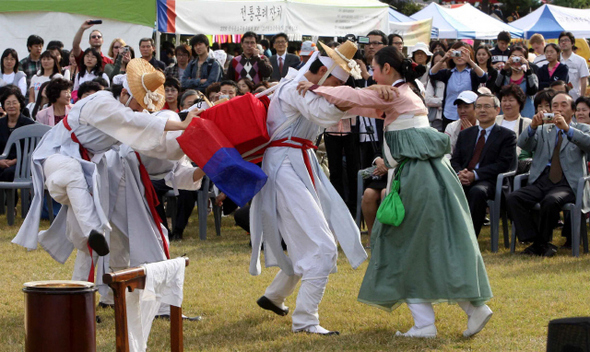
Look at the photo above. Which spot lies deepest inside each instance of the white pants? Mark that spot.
(311, 246)
(66, 183)
(423, 313)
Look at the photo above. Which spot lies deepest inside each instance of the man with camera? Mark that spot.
(560, 147)
(95, 40)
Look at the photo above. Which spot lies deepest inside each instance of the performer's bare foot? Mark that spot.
(425, 332)
(316, 329)
(98, 243)
(267, 304)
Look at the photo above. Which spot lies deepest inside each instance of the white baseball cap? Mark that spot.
(466, 96)
(307, 48)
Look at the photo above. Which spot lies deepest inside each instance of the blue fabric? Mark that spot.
(237, 178)
(458, 82)
(162, 9)
(547, 25)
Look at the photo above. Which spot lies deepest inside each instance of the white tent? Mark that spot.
(60, 19)
(551, 20)
(448, 26)
(485, 27)
(299, 17)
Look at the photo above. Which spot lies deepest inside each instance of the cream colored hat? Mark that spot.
(343, 56)
(146, 84)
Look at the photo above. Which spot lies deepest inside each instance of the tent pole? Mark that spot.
(158, 45)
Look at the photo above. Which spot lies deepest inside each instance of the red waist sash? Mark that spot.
(305, 144)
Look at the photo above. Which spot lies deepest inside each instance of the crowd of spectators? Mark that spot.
(467, 92)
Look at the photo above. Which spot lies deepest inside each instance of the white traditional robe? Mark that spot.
(100, 122)
(304, 115)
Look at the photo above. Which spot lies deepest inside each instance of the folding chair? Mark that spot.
(25, 139)
(134, 278)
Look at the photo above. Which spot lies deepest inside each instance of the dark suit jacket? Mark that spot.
(290, 61)
(498, 155)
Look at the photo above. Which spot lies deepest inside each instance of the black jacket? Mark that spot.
(497, 156)
(5, 133)
(561, 73)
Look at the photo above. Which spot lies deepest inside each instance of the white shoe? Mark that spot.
(477, 320)
(425, 332)
(316, 329)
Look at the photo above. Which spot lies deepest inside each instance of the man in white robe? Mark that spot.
(70, 161)
(299, 204)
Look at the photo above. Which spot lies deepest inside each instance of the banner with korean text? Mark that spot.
(303, 17)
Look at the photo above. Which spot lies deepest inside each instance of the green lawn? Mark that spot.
(528, 293)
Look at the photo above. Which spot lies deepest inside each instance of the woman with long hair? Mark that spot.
(90, 68)
(435, 91)
(49, 69)
(10, 73)
(427, 253)
(483, 57)
(518, 71)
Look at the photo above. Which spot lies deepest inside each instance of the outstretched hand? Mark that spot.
(189, 117)
(387, 93)
(303, 87)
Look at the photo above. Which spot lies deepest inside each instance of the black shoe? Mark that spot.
(98, 243)
(549, 250)
(567, 244)
(266, 303)
(535, 249)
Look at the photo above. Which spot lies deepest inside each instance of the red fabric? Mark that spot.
(85, 156)
(171, 16)
(201, 140)
(152, 199)
(305, 145)
(242, 120)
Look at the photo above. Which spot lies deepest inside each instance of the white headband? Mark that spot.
(338, 71)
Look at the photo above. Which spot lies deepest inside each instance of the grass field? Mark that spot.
(528, 293)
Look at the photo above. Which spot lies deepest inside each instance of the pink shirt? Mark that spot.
(366, 102)
(551, 71)
(47, 116)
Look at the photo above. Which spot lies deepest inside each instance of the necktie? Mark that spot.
(280, 65)
(481, 141)
(555, 171)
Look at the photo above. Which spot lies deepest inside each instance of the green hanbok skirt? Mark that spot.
(433, 256)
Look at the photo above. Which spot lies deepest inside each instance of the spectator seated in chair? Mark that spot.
(559, 148)
(481, 154)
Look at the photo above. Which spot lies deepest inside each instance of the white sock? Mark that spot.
(467, 307)
(422, 313)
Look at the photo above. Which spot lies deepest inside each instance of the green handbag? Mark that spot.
(391, 211)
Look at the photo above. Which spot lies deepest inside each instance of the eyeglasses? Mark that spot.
(374, 43)
(486, 106)
(11, 103)
(95, 36)
(280, 42)
(249, 43)
(397, 43)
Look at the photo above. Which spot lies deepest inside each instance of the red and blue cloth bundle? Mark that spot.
(217, 139)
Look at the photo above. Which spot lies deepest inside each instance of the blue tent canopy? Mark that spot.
(551, 20)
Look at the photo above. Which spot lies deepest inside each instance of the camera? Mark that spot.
(125, 49)
(548, 116)
(456, 53)
(516, 59)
